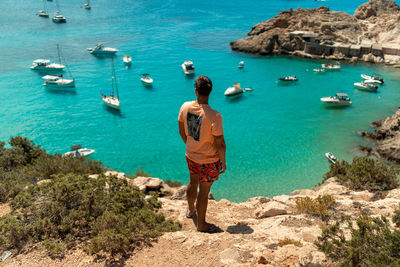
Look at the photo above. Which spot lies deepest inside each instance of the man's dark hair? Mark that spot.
(203, 85)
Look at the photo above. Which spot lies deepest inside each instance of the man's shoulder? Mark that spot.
(188, 103)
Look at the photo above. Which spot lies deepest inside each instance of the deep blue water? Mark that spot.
(276, 135)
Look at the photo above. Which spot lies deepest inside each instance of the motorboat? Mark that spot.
(372, 81)
(78, 151)
(340, 99)
(374, 76)
(112, 100)
(241, 65)
(127, 59)
(188, 67)
(331, 157)
(46, 65)
(331, 66)
(43, 14)
(146, 80)
(234, 90)
(289, 79)
(58, 18)
(57, 81)
(248, 89)
(87, 5)
(319, 70)
(100, 49)
(366, 87)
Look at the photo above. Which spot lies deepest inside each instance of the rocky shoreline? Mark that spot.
(372, 34)
(386, 137)
(254, 231)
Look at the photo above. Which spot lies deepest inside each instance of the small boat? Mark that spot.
(57, 81)
(78, 151)
(331, 157)
(319, 70)
(127, 59)
(87, 5)
(331, 66)
(234, 90)
(46, 65)
(289, 79)
(241, 65)
(248, 89)
(188, 67)
(372, 81)
(374, 76)
(102, 50)
(340, 99)
(112, 100)
(366, 87)
(146, 80)
(43, 14)
(58, 18)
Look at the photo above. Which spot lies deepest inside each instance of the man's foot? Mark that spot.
(189, 214)
(210, 229)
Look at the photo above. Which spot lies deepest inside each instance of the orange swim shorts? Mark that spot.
(209, 172)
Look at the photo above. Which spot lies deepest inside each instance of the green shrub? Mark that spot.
(141, 172)
(106, 214)
(396, 217)
(322, 206)
(24, 164)
(372, 243)
(364, 174)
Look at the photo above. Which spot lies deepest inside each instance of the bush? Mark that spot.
(24, 164)
(372, 243)
(173, 183)
(106, 214)
(396, 217)
(364, 174)
(289, 241)
(322, 206)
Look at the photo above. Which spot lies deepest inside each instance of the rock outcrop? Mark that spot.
(253, 232)
(387, 138)
(372, 34)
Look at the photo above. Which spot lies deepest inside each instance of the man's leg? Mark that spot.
(201, 206)
(191, 191)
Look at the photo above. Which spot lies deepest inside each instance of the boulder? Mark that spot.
(229, 256)
(272, 208)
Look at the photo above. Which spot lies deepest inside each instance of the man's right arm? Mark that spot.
(220, 145)
(182, 131)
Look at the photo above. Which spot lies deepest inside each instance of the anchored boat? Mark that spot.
(78, 151)
(331, 157)
(234, 90)
(366, 87)
(100, 49)
(340, 99)
(188, 67)
(112, 100)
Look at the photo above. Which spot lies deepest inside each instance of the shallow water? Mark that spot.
(276, 135)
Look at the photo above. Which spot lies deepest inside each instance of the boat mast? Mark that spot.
(61, 56)
(58, 7)
(44, 6)
(114, 79)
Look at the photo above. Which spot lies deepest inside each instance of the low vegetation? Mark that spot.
(173, 183)
(372, 242)
(322, 206)
(25, 163)
(67, 208)
(289, 241)
(364, 174)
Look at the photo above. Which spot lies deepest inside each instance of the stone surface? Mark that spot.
(272, 208)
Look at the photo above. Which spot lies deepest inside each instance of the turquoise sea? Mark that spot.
(276, 135)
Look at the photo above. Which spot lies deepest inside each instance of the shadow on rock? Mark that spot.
(239, 229)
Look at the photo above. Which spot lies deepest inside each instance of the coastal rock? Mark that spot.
(272, 208)
(229, 256)
(376, 8)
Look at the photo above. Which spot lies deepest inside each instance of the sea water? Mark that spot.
(276, 135)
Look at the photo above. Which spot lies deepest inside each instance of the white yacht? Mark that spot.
(241, 65)
(366, 87)
(340, 99)
(331, 157)
(234, 90)
(374, 77)
(58, 18)
(127, 59)
(146, 80)
(43, 14)
(289, 79)
(46, 65)
(78, 151)
(57, 81)
(102, 50)
(188, 67)
(331, 66)
(112, 100)
(87, 5)
(372, 81)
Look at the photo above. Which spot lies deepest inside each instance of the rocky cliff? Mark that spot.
(372, 31)
(254, 231)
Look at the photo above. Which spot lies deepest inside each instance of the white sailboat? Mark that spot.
(58, 81)
(112, 100)
(58, 17)
(87, 5)
(146, 79)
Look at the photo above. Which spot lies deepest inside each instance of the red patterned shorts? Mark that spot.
(209, 172)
